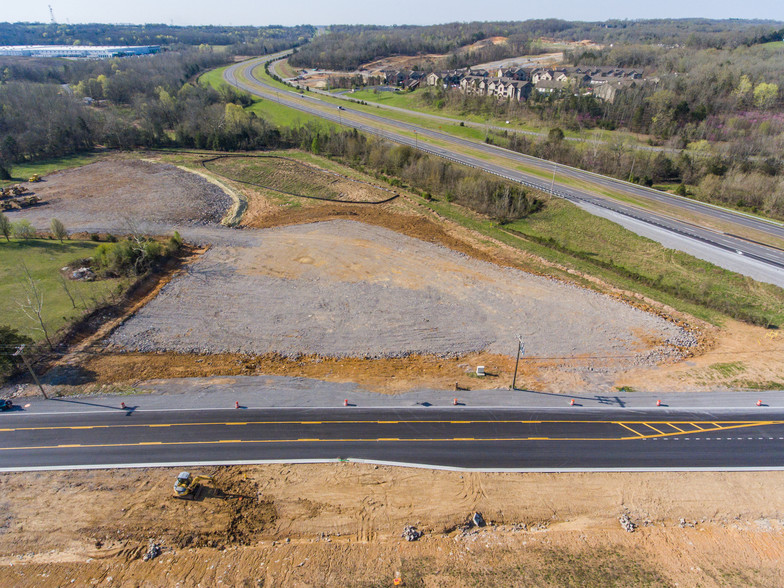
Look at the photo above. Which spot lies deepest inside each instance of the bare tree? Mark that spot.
(58, 229)
(33, 303)
(64, 283)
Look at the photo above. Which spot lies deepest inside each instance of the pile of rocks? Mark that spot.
(627, 523)
(411, 533)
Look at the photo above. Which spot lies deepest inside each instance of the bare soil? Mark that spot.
(756, 349)
(124, 195)
(346, 289)
(340, 525)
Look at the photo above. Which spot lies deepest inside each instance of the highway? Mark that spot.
(495, 439)
(715, 227)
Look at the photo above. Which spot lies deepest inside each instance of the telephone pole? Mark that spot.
(520, 350)
(20, 353)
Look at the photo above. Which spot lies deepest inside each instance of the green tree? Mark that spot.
(58, 230)
(766, 95)
(556, 135)
(5, 226)
(23, 229)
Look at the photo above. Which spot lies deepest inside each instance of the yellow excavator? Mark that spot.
(188, 486)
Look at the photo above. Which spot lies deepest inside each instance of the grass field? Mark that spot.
(671, 273)
(22, 171)
(277, 114)
(294, 178)
(43, 259)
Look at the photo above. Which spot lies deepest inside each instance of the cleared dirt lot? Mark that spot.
(341, 288)
(89, 198)
(340, 525)
(125, 195)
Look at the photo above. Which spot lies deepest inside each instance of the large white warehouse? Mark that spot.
(74, 51)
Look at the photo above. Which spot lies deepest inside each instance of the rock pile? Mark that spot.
(411, 533)
(627, 523)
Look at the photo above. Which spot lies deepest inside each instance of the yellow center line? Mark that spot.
(717, 424)
(358, 440)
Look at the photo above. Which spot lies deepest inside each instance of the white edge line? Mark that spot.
(180, 464)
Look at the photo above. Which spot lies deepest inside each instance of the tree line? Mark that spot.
(273, 38)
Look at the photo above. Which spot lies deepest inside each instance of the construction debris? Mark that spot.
(478, 519)
(411, 533)
(627, 523)
(83, 273)
(153, 551)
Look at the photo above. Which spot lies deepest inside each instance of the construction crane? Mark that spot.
(51, 15)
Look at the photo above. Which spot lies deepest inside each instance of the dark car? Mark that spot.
(5, 404)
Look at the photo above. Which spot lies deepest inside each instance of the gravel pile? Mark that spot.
(342, 288)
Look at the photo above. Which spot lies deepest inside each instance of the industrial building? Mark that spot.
(77, 51)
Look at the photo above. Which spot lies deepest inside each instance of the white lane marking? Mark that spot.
(181, 464)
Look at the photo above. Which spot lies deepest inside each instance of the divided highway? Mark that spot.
(466, 438)
(737, 250)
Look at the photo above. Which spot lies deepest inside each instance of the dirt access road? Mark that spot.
(341, 525)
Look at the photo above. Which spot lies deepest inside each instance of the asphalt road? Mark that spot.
(460, 437)
(735, 250)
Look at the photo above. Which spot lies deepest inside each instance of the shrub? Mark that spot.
(23, 229)
(133, 257)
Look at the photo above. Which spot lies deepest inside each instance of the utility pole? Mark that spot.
(520, 349)
(19, 353)
(416, 140)
(552, 184)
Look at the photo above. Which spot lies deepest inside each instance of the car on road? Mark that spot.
(341, 108)
(6, 404)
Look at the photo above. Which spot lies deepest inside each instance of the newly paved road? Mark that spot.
(462, 437)
(765, 263)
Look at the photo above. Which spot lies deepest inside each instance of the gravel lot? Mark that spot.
(119, 195)
(342, 288)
